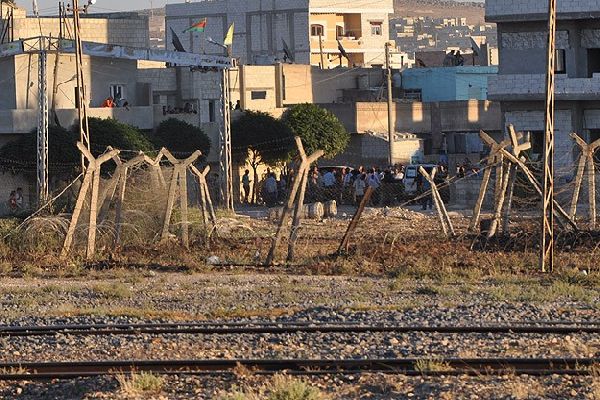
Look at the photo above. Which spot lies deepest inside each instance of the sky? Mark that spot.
(50, 6)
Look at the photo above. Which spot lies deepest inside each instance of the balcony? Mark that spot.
(531, 10)
(533, 87)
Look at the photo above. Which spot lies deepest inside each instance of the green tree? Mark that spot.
(318, 128)
(258, 138)
(23, 151)
(179, 136)
(62, 143)
(110, 132)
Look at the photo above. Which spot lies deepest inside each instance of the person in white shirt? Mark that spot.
(359, 188)
(271, 190)
(329, 185)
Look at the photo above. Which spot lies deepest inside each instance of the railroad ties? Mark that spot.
(404, 366)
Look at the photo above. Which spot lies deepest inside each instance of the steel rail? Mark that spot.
(249, 328)
(404, 366)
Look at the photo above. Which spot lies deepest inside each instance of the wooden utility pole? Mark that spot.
(81, 94)
(547, 245)
(321, 51)
(388, 68)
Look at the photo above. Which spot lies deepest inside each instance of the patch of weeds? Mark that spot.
(432, 365)
(436, 290)
(115, 290)
(32, 271)
(140, 383)
(281, 387)
(18, 370)
(520, 390)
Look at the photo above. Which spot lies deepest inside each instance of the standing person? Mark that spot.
(271, 190)
(347, 182)
(374, 182)
(20, 199)
(359, 188)
(424, 186)
(12, 202)
(329, 184)
(246, 185)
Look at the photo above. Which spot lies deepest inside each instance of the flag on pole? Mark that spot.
(176, 42)
(287, 53)
(36, 10)
(342, 50)
(228, 41)
(197, 27)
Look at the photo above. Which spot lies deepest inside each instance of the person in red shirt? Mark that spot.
(108, 103)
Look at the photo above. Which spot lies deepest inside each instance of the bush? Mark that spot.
(62, 143)
(318, 128)
(110, 132)
(61, 148)
(179, 136)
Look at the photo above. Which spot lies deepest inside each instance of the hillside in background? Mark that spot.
(473, 11)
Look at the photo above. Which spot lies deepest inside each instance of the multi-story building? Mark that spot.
(309, 28)
(520, 85)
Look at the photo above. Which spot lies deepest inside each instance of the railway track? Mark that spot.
(268, 328)
(489, 366)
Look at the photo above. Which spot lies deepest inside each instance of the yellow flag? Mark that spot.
(229, 37)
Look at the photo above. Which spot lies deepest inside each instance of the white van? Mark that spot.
(411, 172)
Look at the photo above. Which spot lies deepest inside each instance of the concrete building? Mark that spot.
(310, 28)
(124, 29)
(520, 84)
(448, 83)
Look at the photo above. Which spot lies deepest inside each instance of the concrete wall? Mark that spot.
(417, 117)
(260, 27)
(449, 84)
(370, 149)
(129, 29)
(523, 10)
(100, 74)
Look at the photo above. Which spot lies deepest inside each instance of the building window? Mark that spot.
(258, 95)
(212, 111)
(561, 66)
(376, 28)
(117, 91)
(317, 30)
(537, 144)
(339, 31)
(593, 56)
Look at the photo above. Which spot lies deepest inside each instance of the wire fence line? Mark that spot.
(393, 206)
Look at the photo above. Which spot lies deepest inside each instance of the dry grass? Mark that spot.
(520, 389)
(432, 365)
(140, 383)
(594, 393)
(281, 387)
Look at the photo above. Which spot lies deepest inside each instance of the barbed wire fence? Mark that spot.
(394, 216)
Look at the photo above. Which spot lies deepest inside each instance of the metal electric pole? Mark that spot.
(81, 94)
(42, 129)
(390, 103)
(226, 157)
(547, 247)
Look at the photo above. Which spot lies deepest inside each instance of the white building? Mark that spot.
(310, 29)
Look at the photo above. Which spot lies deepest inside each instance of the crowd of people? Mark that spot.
(346, 185)
(117, 102)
